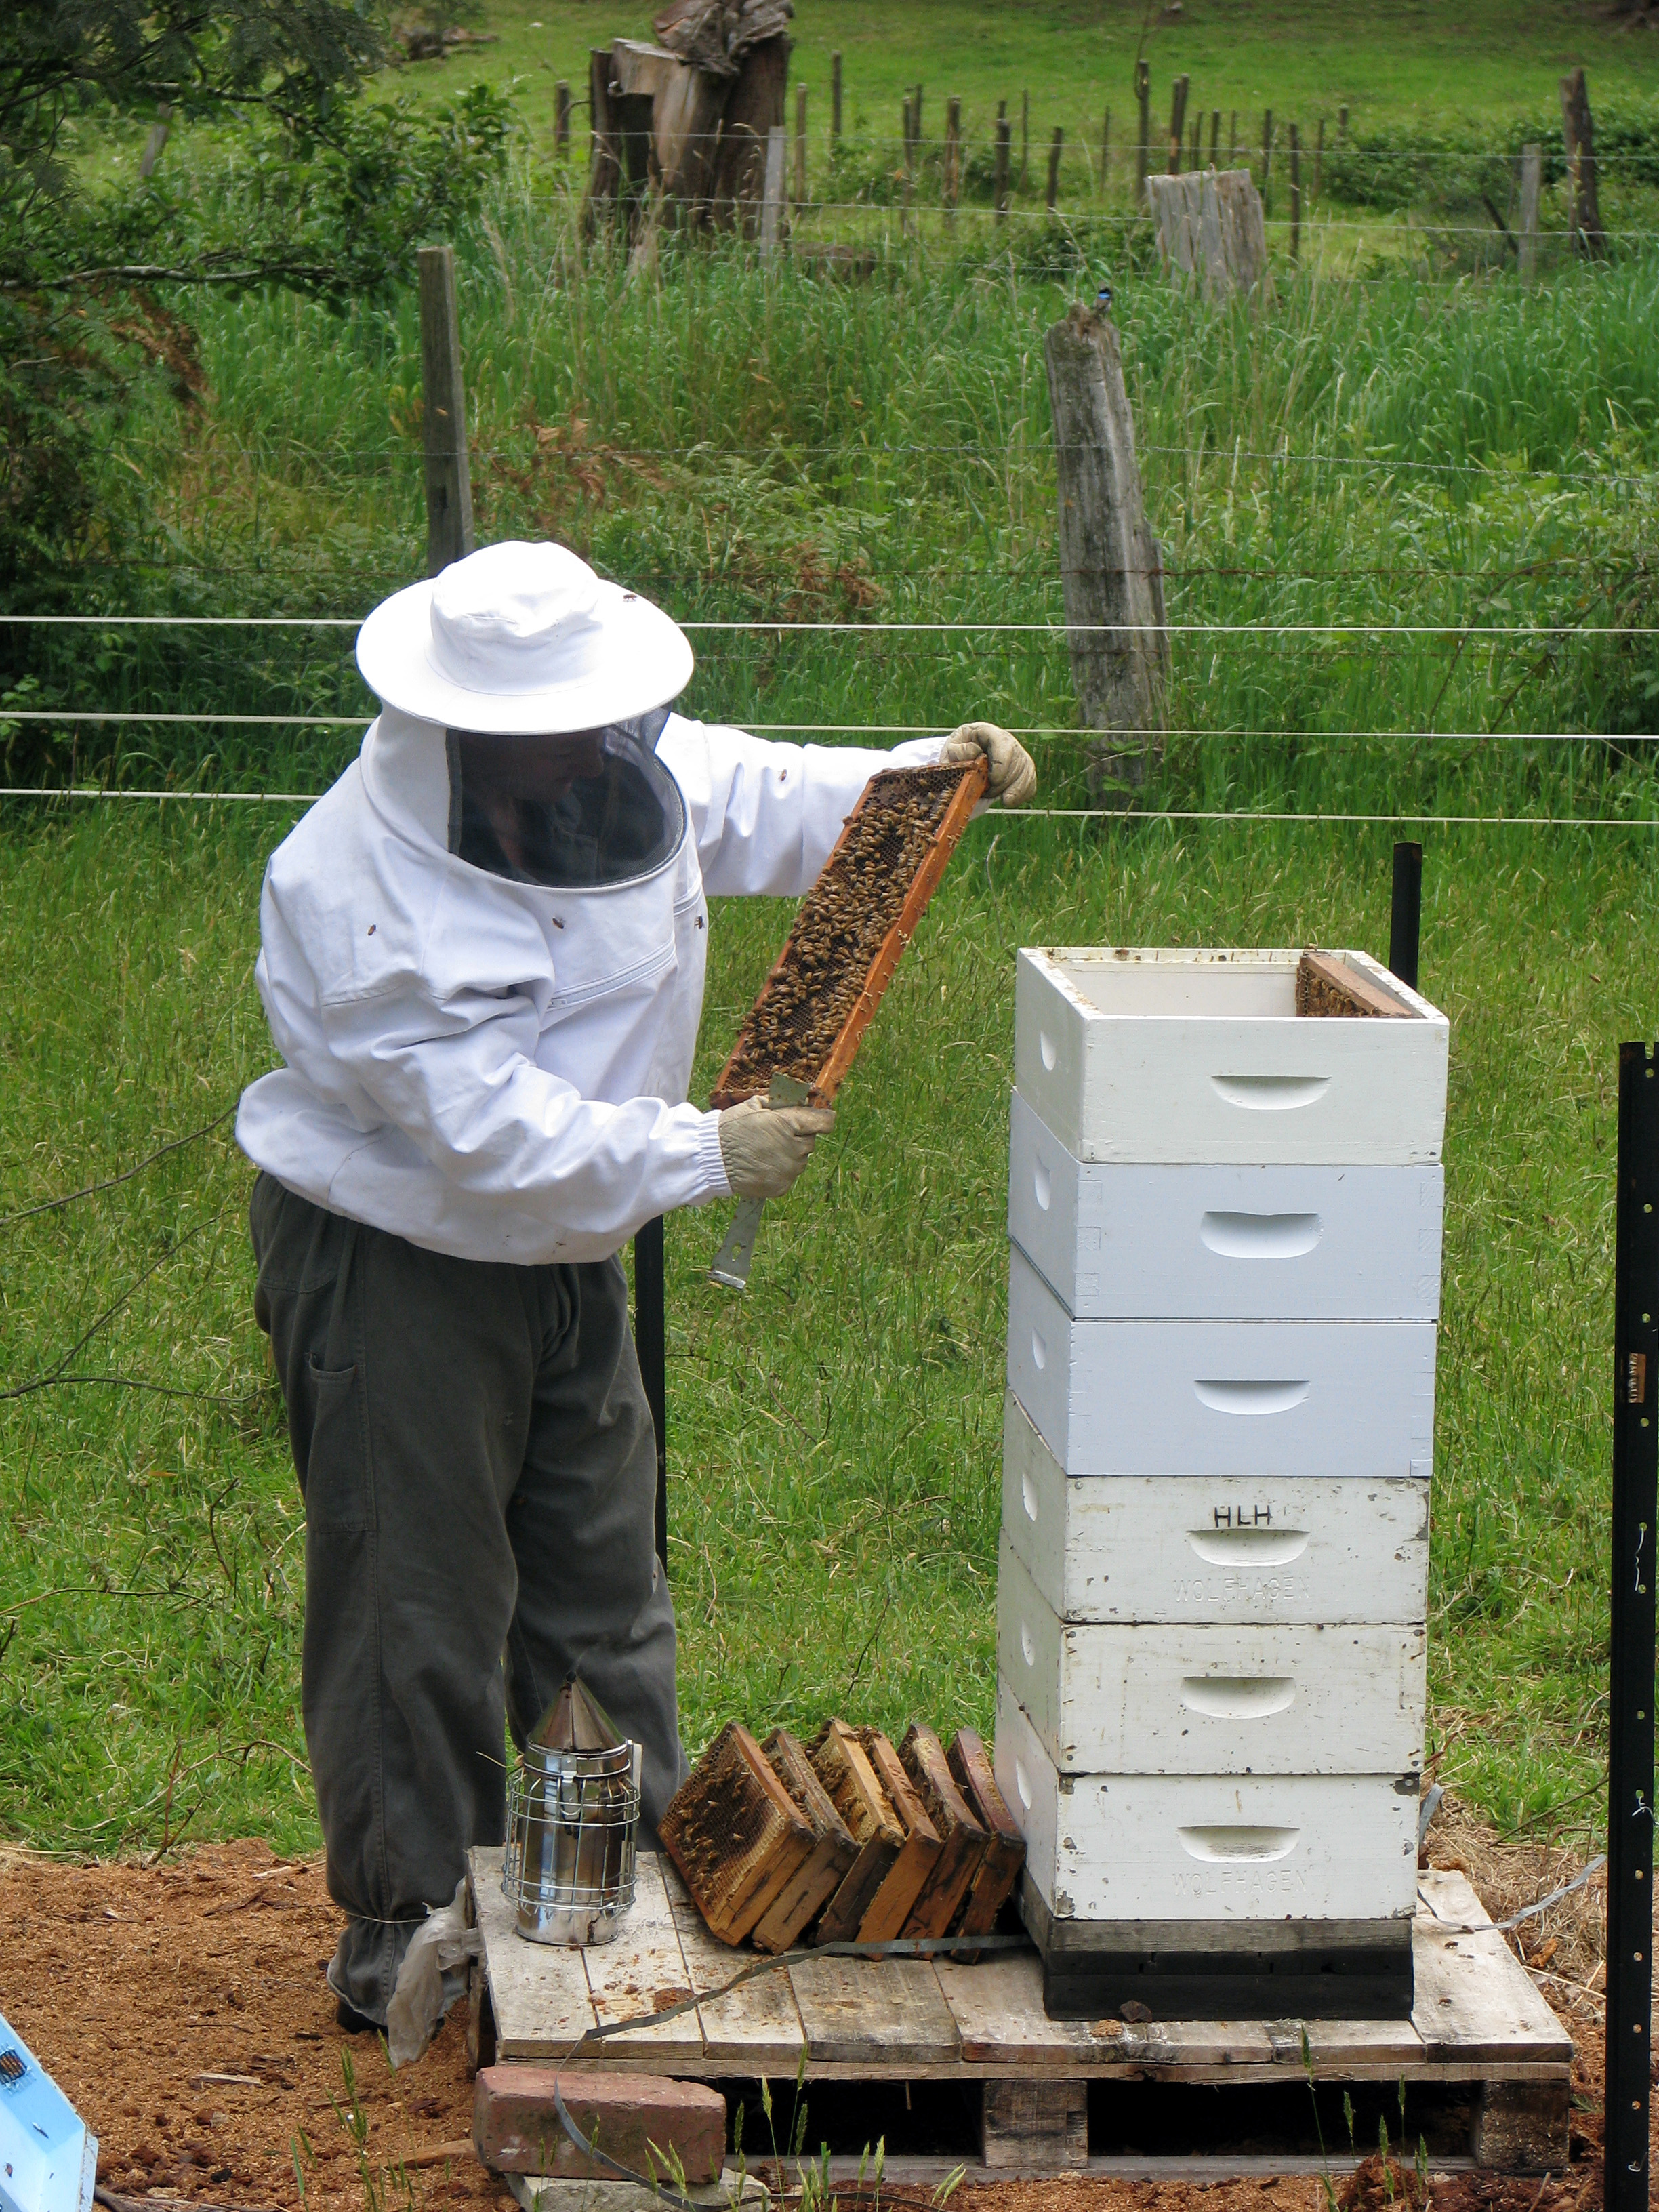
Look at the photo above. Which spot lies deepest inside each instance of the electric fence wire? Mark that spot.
(778, 624)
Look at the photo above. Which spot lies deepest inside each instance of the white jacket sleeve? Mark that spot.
(459, 1079)
(765, 815)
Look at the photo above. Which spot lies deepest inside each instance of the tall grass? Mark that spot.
(1372, 451)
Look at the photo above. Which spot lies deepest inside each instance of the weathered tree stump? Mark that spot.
(1210, 228)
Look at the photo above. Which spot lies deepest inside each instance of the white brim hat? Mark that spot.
(522, 640)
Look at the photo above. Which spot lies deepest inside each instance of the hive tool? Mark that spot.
(732, 1261)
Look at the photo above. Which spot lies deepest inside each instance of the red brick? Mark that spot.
(516, 2128)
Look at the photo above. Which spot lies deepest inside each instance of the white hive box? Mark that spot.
(1225, 1243)
(1184, 1547)
(1198, 1698)
(1158, 1056)
(1256, 1398)
(1108, 1850)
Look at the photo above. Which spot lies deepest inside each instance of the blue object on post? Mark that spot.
(48, 2155)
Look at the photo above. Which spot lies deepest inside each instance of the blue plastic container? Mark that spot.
(48, 2156)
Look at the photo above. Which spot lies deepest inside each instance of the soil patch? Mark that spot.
(184, 2009)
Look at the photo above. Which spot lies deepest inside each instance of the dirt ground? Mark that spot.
(184, 2009)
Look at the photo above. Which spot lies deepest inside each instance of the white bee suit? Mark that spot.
(494, 1069)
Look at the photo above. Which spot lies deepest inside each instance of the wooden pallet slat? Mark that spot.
(643, 1971)
(885, 2015)
(539, 1991)
(997, 2006)
(1480, 2015)
(751, 2031)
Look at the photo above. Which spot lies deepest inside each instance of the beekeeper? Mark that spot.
(482, 959)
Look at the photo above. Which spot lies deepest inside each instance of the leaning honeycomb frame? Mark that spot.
(831, 1012)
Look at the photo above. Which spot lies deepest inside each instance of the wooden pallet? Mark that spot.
(1478, 2020)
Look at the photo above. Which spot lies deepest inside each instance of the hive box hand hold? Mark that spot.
(1142, 1054)
(1221, 1549)
(1255, 1397)
(1214, 1896)
(1199, 1699)
(1223, 1244)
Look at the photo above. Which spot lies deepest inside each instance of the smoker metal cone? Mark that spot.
(575, 1721)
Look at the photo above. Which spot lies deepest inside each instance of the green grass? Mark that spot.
(748, 446)
(835, 1436)
(1386, 63)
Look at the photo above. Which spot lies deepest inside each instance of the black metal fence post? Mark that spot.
(651, 1341)
(1630, 1712)
(1406, 916)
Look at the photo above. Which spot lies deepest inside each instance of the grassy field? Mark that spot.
(1385, 63)
(835, 1436)
(1412, 449)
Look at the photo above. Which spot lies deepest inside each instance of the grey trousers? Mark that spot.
(475, 1456)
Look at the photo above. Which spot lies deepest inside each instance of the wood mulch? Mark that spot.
(184, 2009)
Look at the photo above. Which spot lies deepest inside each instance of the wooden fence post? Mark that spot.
(1630, 1680)
(604, 166)
(1532, 181)
(952, 179)
(835, 100)
(1195, 150)
(1144, 141)
(443, 413)
(907, 125)
(561, 120)
(915, 118)
(1005, 142)
(1177, 121)
(1296, 193)
(1577, 131)
(1110, 567)
(1053, 167)
(772, 194)
(1215, 137)
(1106, 151)
(1341, 126)
(800, 145)
(1266, 158)
(1319, 160)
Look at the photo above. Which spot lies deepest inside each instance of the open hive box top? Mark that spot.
(1142, 982)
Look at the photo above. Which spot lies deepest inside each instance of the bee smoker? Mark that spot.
(573, 1812)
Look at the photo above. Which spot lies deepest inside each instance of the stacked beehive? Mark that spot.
(1224, 1209)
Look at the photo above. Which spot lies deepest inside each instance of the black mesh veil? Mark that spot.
(574, 812)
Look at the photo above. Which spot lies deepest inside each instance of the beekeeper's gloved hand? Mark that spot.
(763, 1148)
(1013, 772)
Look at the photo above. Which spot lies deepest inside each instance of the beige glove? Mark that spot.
(763, 1148)
(1013, 772)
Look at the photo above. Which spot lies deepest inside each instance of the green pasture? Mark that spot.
(1460, 470)
(1385, 63)
(835, 1436)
